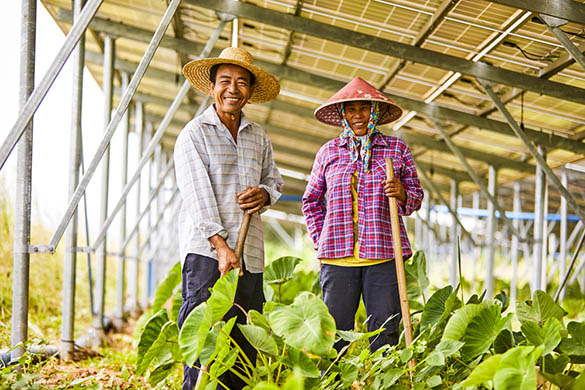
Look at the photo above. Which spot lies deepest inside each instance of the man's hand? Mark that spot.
(226, 258)
(253, 199)
(394, 188)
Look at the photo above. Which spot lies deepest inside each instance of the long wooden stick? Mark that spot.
(399, 262)
(238, 251)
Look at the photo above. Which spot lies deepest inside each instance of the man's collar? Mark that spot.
(210, 117)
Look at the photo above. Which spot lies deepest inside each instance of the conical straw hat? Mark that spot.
(357, 90)
(266, 87)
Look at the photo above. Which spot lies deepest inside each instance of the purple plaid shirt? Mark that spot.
(327, 202)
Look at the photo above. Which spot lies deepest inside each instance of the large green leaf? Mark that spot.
(222, 296)
(259, 320)
(455, 328)
(281, 270)
(540, 309)
(483, 330)
(555, 365)
(514, 369)
(259, 339)
(165, 289)
(353, 336)
(349, 373)
(176, 305)
(165, 348)
(439, 306)
(300, 361)
(517, 370)
(150, 333)
(161, 372)
(416, 277)
(191, 339)
(549, 335)
(574, 346)
(306, 324)
(294, 382)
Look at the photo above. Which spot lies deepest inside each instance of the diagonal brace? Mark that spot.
(554, 25)
(532, 148)
(455, 149)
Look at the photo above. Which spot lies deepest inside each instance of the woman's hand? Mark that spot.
(394, 188)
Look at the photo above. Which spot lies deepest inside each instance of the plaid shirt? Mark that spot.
(327, 200)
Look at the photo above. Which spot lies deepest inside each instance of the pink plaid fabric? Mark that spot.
(327, 200)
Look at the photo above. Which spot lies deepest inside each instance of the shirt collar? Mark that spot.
(377, 140)
(210, 117)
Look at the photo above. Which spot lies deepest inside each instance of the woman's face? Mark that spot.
(358, 115)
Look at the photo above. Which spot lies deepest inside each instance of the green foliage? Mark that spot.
(456, 346)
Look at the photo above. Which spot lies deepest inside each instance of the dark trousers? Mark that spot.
(200, 274)
(342, 288)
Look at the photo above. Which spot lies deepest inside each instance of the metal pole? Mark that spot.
(34, 98)
(427, 230)
(111, 128)
(474, 175)
(533, 150)
(134, 263)
(554, 25)
(545, 240)
(120, 281)
(70, 262)
(517, 209)
(453, 278)
(151, 227)
(108, 87)
(21, 261)
(563, 238)
(476, 248)
(491, 232)
(539, 188)
(571, 265)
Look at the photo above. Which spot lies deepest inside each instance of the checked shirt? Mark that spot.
(327, 202)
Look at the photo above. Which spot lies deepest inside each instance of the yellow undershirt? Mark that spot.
(355, 260)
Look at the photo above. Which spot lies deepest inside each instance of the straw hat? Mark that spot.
(266, 87)
(357, 90)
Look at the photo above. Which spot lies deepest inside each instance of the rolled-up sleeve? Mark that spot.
(271, 180)
(314, 208)
(411, 184)
(195, 186)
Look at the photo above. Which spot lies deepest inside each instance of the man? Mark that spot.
(224, 167)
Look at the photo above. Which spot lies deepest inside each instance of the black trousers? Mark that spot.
(342, 288)
(200, 274)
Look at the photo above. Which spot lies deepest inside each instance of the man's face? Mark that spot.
(358, 114)
(231, 89)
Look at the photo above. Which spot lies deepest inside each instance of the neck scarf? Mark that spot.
(361, 146)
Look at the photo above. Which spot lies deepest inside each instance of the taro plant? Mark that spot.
(457, 345)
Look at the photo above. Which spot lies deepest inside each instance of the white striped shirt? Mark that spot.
(211, 168)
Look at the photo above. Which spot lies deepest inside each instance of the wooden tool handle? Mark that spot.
(239, 249)
(399, 262)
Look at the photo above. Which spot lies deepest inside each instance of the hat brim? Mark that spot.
(266, 86)
(328, 114)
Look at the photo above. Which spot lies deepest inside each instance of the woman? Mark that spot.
(346, 208)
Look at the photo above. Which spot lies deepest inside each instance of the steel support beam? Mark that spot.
(121, 273)
(36, 97)
(532, 148)
(486, 192)
(21, 259)
(134, 264)
(537, 252)
(288, 73)
(514, 245)
(554, 25)
(125, 101)
(565, 9)
(563, 234)
(453, 267)
(394, 49)
(101, 257)
(491, 232)
(70, 261)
